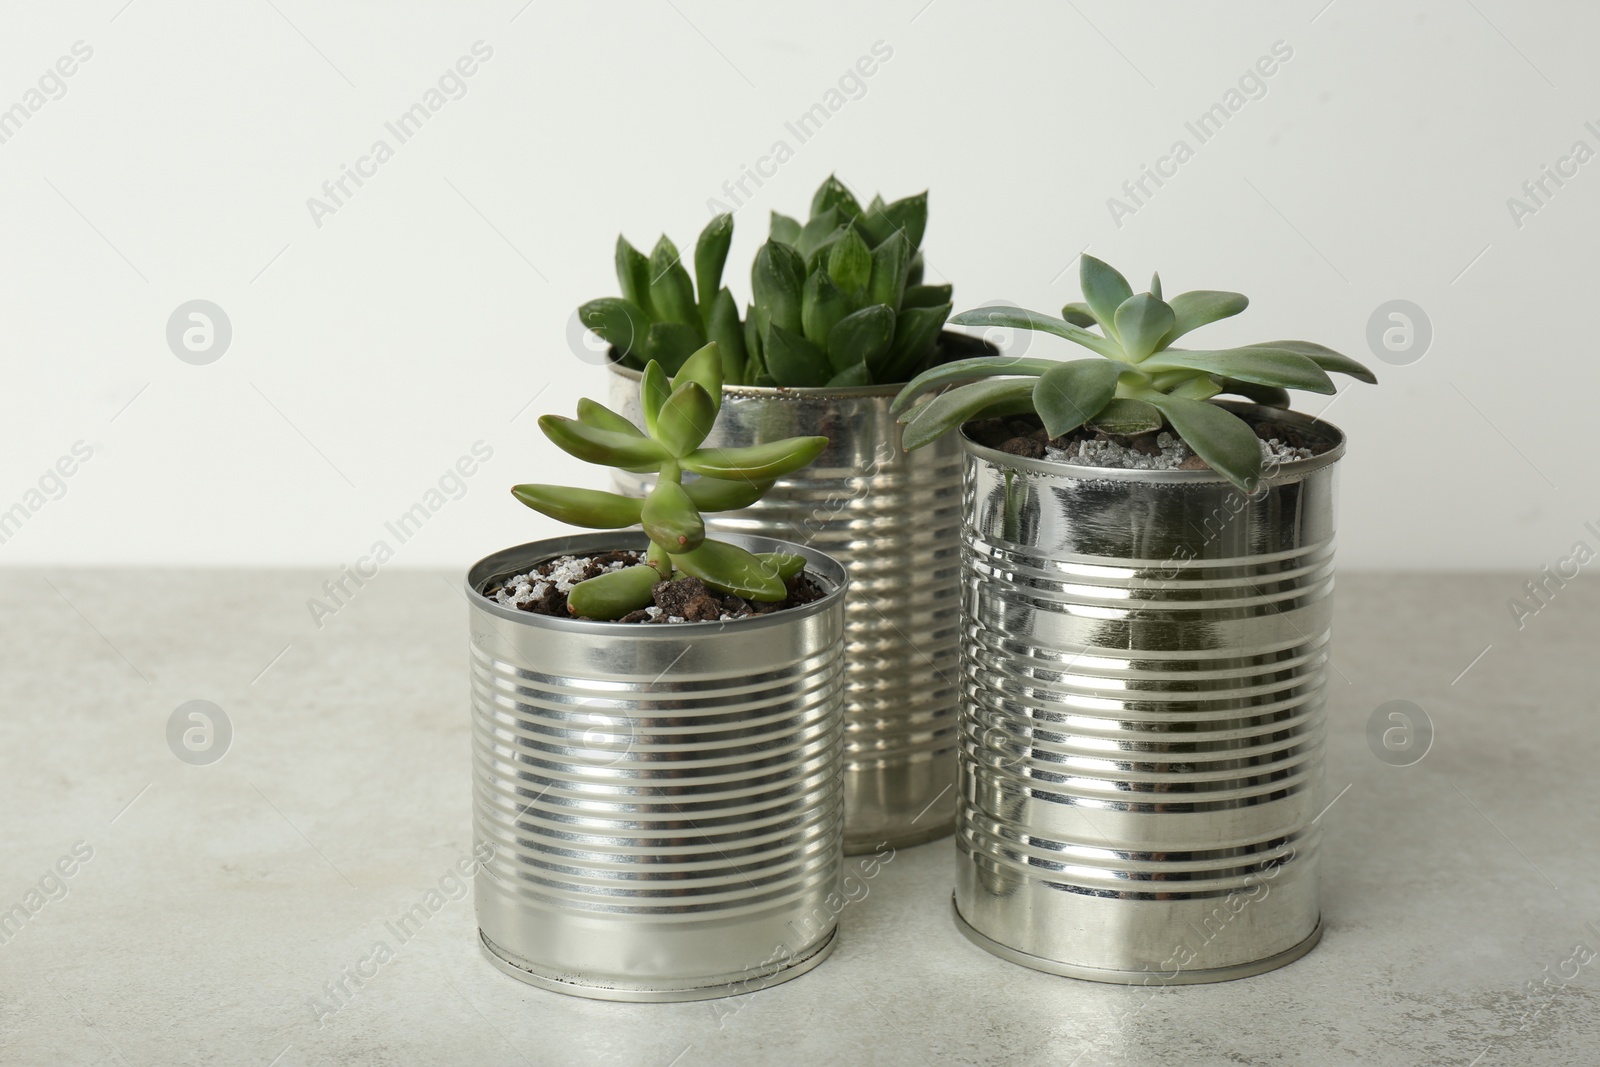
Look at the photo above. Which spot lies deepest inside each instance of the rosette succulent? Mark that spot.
(679, 412)
(1141, 384)
(838, 300)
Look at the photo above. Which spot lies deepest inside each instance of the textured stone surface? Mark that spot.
(225, 895)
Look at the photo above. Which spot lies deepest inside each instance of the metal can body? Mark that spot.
(663, 802)
(893, 518)
(1144, 665)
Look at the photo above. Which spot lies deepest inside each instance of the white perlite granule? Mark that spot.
(523, 589)
(1096, 453)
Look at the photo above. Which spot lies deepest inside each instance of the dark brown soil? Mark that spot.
(685, 598)
(1023, 435)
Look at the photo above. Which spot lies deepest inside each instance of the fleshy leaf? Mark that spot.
(1104, 289)
(1128, 417)
(1258, 364)
(601, 446)
(1021, 319)
(593, 413)
(685, 419)
(889, 262)
(654, 388)
(591, 508)
(671, 291)
(1324, 357)
(730, 569)
(1142, 320)
(822, 305)
(925, 296)
(949, 410)
(622, 324)
(717, 494)
(916, 331)
(705, 367)
(614, 594)
(633, 276)
(861, 338)
(670, 518)
(909, 215)
(963, 370)
(784, 228)
(1217, 436)
(850, 264)
(710, 255)
(724, 330)
(777, 278)
(793, 361)
(670, 343)
(832, 195)
(1079, 314)
(756, 462)
(1070, 394)
(1199, 307)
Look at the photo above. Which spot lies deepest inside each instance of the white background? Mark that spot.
(371, 352)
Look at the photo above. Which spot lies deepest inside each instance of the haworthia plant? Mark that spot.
(837, 301)
(1140, 385)
(679, 411)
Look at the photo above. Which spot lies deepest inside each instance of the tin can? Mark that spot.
(662, 805)
(1144, 665)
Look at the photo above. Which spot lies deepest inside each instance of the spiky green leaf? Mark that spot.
(710, 255)
(621, 323)
(670, 343)
(777, 278)
(862, 337)
(793, 361)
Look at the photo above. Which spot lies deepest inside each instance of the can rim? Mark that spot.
(518, 557)
(1283, 472)
(809, 392)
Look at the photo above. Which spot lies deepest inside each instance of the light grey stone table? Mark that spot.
(218, 900)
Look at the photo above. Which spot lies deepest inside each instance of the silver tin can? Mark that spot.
(1144, 665)
(663, 804)
(893, 518)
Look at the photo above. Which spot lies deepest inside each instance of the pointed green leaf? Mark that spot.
(874, 224)
(925, 296)
(614, 594)
(909, 215)
(1155, 285)
(889, 262)
(670, 343)
(654, 388)
(1128, 417)
(1258, 364)
(822, 305)
(817, 228)
(963, 370)
(601, 446)
(686, 418)
(671, 519)
(705, 367)
(787, 564)
(1104, 289)
(730, 569)
(777, 278)
(1070, 394)
(784, 228)
(832, 195)
(1142, 321)
(1200, 387)
(851, 377)
(951, 409)
(1217, 436)
(916, 331)
(671, 291)
(620, 323)
(793, 361)
(724, 330)
(756, 463)
(1324, 357)
(1270, 396)
(633, 276)
(590, 508)
(718, 494)
(862, 337)
(710, 254)
(850, 264)
(1199, 307)
(1079, 314)
(593, 413)
(1021, 319)
(754, 363)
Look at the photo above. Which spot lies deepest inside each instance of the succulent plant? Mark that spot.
(1140, 386)
(666, 316)
(837, 301)
(678, 414)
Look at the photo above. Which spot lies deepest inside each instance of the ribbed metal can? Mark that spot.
(662, 804)
(1144, 669)
(893, 518)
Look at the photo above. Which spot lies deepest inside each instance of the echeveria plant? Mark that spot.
(838, 301)
(1140, 386)
(678, 414)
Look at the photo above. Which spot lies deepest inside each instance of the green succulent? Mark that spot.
(1140, 386)
(838, 300)
(678, 415)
